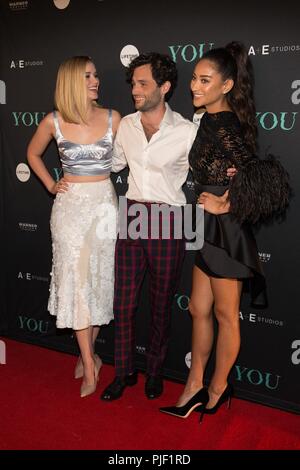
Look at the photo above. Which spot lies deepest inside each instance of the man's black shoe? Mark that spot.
(116, 388)
(153, 386)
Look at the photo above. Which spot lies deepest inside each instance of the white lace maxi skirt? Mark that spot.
(83, 227)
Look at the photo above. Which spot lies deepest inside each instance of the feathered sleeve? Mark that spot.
(261, 188)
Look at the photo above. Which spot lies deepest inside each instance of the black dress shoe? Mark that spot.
(116, 388)
(153, 386)
(199, 400)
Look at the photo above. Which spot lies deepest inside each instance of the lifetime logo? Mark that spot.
(2, 352)
(2, 92)
(127, 54)
(61, 4)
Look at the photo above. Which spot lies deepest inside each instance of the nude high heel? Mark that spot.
(98, 365)
(78, 371)
(85, 389)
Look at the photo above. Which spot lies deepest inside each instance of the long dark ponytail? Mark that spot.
(232, 62)
(260, 191)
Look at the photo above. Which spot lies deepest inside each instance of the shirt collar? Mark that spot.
(168, 118)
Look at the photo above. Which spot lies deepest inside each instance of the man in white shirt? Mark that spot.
(154, 142)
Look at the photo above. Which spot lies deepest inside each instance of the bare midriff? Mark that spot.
(84, 178)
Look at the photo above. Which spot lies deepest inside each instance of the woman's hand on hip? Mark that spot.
(60, 186)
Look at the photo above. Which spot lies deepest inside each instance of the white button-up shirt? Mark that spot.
(158, 168)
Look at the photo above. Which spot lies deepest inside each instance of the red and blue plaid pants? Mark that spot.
(163, 259)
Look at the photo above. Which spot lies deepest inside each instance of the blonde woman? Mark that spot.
(84, 213)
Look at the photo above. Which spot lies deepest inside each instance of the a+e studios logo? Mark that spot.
(23, 63)
(267, 49)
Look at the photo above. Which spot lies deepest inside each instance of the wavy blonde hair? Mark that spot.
(70, 93)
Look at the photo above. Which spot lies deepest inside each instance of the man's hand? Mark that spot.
(214, 204)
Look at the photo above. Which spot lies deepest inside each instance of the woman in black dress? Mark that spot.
(222, 82)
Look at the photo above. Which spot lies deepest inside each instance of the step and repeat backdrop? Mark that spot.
(36, 36)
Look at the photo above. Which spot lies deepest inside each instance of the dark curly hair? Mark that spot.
(232, 62)
(162, 66)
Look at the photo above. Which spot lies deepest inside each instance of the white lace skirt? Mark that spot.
(83, 228)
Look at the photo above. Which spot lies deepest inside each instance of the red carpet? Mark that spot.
(41, 409)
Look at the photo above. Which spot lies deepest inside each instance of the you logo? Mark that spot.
(33, 325)
(282, 120)
(189, 52)
(257, 377)
(27, 118)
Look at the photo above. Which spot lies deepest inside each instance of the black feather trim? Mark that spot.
(260, 191)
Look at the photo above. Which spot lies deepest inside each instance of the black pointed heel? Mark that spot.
(194, 404)
(226, 396)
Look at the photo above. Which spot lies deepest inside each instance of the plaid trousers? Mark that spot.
(163, 258)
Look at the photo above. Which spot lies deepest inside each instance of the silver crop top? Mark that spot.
(85, 159)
